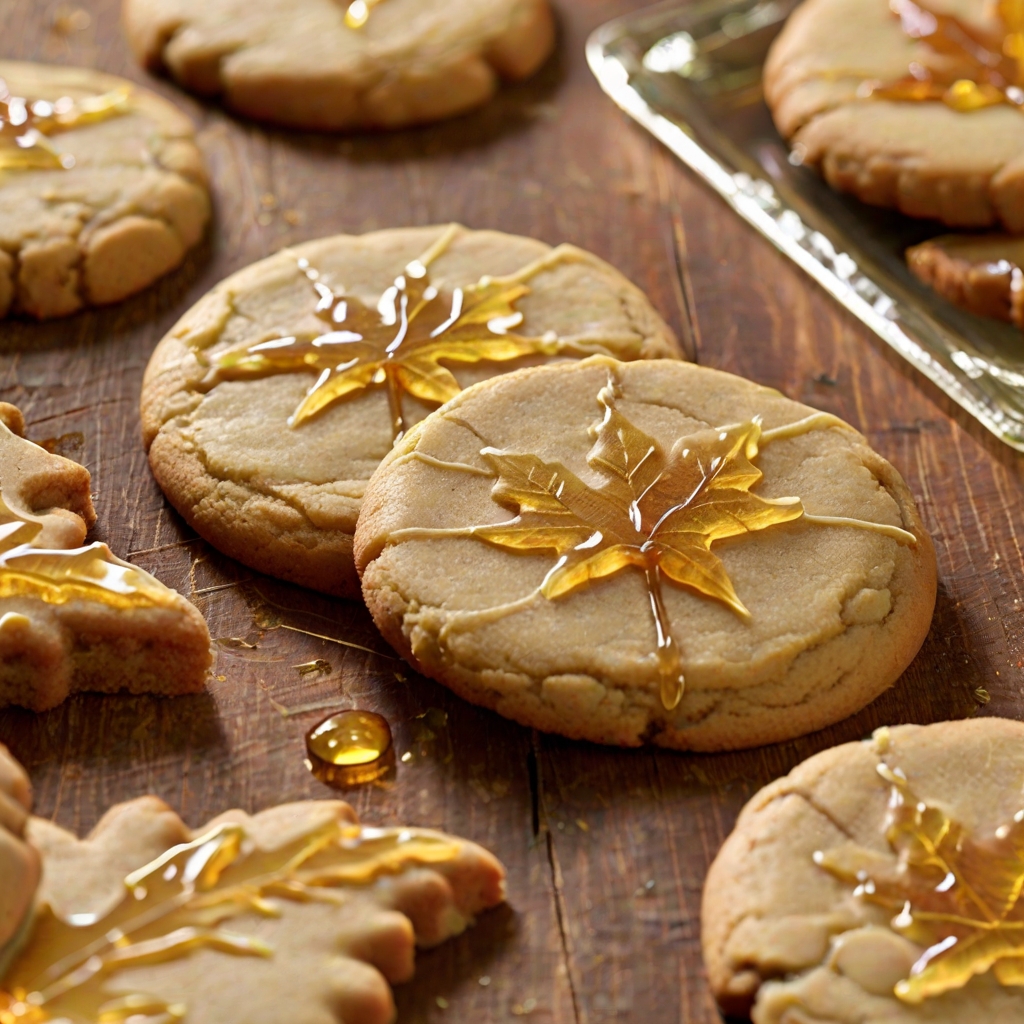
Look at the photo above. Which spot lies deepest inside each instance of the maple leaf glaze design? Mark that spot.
(981, 70)
(402, 342)
(957, 896)
(184, 901)
(25, 125)
(658, 512)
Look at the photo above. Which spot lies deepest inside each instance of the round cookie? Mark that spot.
(269, 405)
(816, 906)
(330, 65)
(924, 158)
(102, 189)
(564, 543)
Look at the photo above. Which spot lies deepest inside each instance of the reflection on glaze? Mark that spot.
(400, 343)
(658, 512)
(357, 13)
(26, 124)
(982, 71)
(954, 895)
(183, 901)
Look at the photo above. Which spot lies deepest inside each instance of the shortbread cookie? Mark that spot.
(19, 862)
(268, 406)
(981, 273)
(77, 618)
(339, 64)
(839, 79)
(878, 882)
(646, 552)
(297, 915)
(102, 189)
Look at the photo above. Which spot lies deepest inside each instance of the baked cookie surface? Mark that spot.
(76, 617)
(924, 158)
(268, 406)
(646, 552)
(295, 915)
(929, 819)
(102, 189)
(979, 273)
(334, 64)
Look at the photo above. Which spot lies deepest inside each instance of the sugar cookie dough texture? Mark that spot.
(125, 213)
(412, 61)
(835, 613)
(790, 941)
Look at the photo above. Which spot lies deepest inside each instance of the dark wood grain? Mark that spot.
(606, 849)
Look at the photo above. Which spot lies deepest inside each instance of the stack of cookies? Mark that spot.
(499, 447)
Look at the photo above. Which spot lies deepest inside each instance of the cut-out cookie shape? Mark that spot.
(338, 64)
(646, 552)
(268, 406)
(19, 862)
(296, 915)
(878, 881)
(980, 273)
(913, 105)
(102, 189)
(72, 617)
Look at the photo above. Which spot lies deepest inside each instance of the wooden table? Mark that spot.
(606, 850)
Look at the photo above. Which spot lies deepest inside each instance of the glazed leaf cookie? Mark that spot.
(878, 881)
(913, 104)
(19, 862)
(296, 915)
(646, 552)
(342, 64)
(72, 617)
(102, 189)
(268, 406)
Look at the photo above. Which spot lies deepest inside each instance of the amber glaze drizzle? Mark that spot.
(956, 896)
(985, 71)
(401, 343)
(658, 512)
(357, 13)
(25, 125)
(182, 901)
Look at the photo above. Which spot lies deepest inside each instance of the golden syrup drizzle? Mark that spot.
(400, 343)
(89, 573)
(658, 512)
(351, 748)
(26, 124)
(956, 896)
(184, 901)
(357, 13)
(984, 71)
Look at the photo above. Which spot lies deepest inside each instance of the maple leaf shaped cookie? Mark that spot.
(76, 617)
(19, 862)
(296, 915)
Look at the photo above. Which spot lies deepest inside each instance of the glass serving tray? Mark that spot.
(691, 74)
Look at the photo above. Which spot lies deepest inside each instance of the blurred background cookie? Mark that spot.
(19, 861)
(646, 552)
(907, 106)
(336, 64)
(270, 403)
(872, 883)
(79, 618)
(102, 189)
